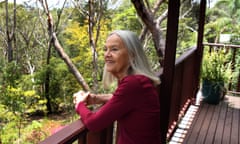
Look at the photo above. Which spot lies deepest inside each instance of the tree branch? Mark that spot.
(148, 19)
(60, 50)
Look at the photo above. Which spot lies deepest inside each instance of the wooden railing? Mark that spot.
(77, 132)
(185, 87)
(184, 90)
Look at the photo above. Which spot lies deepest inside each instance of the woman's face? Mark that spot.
(116, 56)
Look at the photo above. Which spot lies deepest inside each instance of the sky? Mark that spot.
(212, 2)
(51, 3)
(59, 3)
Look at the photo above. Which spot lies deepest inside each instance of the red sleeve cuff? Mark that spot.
(79, 106)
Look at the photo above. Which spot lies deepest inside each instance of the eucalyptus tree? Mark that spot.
(94, 17)
(152, 22)
(3, 40)
(19, 38)
(87, 31)
(18, 96)
(52, 29)
(8, 42)
(90, 14)
(10, 30)
(153, 15)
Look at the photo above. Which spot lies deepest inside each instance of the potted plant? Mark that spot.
(216, 72)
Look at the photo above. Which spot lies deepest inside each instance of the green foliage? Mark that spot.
(9, 133)
(5, 115)
(21, 102)
(188, 26)
(126, 15)
(61, 86)
(224, 17)
(215, 68)
(10, 74)
(187, 36)
(77, 42)
(33, 133)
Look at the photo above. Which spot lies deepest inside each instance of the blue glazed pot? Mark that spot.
(212, 91)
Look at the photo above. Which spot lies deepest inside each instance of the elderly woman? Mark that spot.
(134, 104)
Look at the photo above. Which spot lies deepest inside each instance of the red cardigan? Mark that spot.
(135, 106)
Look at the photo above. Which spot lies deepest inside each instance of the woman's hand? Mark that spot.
(91, 99)
(80, 96)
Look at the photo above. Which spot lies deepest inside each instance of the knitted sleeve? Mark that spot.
(117, 107)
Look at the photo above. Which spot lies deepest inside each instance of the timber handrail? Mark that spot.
(185, 55)
(184, 88)
(67, 134)
(76, 132)
(221, 45)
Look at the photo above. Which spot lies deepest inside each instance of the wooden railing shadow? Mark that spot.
(184, 90)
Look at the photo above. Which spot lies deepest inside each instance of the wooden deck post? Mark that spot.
(234, 50)
(168, 69)
(200, 42)
(238, 83)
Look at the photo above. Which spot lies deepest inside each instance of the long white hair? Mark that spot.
(138, 61)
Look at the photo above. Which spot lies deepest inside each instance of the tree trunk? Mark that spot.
(10, 34)
(73, 69)
(60, 50)
(152, 26)
(47, 81)
(93, 44)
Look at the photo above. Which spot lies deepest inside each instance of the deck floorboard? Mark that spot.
(215, 124)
